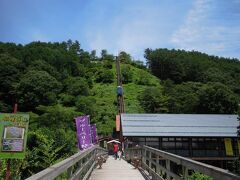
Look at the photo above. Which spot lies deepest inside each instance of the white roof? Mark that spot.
(199, 125)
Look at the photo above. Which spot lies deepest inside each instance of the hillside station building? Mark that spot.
(207, 138)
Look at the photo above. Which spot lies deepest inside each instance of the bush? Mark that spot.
(76, 86)
(127, 75)
(105, 76)
(199, 176)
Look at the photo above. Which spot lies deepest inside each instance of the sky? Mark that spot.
(209, 26)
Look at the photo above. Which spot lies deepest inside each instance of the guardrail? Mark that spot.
(78, 166)
(164, 165)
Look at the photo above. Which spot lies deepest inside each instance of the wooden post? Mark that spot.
(185, 173)
(168, 168)
(157, 165)
(8, 169)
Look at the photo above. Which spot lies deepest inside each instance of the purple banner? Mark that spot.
(94, 133)
(83, 132)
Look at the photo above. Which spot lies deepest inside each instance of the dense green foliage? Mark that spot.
(199, 176)
(56, 82)
(196, 82)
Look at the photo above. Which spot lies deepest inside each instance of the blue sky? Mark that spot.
(210, 26)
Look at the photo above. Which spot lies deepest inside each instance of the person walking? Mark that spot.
(115, 150)
(119, 153)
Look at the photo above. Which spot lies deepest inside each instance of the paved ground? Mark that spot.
(116, 170)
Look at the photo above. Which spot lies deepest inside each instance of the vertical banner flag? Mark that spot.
(90, 133)
(83, 132)
(238, 142)
(117, 123)
(94, 133)
(13, 135)
(228, 146)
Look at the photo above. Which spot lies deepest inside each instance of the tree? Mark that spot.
(127, 74)
(153, 101)
(93, 56)
(216, 98)
(86, 105)
(76, 86)
(9, 76)
(183, 98)
(125, 58)
(35, 88)
(105, 76)
(41, 65)
(103, 53)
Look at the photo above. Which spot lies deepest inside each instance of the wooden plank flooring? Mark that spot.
(116, 170)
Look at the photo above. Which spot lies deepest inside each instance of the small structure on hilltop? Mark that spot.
(207, 138)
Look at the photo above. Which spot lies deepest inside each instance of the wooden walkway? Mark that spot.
(116, 170)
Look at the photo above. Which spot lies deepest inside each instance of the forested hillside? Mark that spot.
(55, 82)
(195, 82)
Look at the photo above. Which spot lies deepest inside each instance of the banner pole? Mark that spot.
(8, 169)
(9, 161)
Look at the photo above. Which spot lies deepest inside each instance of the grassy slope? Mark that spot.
(105, 95)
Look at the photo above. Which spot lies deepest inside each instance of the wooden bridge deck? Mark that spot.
(116, 170)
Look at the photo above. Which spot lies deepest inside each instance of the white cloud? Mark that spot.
(202, 31)
(37, 35)
(133, 31)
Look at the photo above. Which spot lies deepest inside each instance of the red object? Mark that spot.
(8, 170)
(117, 122)
(115, 148)
(15, 108)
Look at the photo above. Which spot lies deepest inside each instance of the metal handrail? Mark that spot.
(80, 165)
(160, 165)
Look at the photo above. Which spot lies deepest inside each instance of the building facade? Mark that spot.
(207, 138)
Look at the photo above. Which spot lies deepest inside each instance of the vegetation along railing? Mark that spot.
(164, 165)
(78, 166)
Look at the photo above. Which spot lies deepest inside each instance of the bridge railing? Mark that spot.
(164, 165)
(78, 166)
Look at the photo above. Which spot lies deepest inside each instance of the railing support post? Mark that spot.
(185, 173)
(168, 168)
(69, 172)
(157, 165)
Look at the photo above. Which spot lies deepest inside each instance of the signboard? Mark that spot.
(13, 135)
(117, 123)
(83, 132)
(94, 133)
(228, 146)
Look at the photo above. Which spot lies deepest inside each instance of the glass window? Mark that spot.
(152, 139)
(152, 143)
(168, 145)
(194, 139)
(141, 143)
(198, 153)
(178, 145)
(198, 145)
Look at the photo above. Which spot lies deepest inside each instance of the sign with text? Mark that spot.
(83, 132)
(13, 135)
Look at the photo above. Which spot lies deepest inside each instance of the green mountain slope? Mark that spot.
(106, 100)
